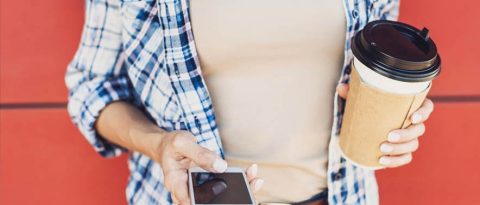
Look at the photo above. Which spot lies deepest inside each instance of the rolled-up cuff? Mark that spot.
(85, 105)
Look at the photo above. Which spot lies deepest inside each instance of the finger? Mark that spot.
(174, 199)
(170, 186)
(399, 149)
(203, 157)
(171, 165)
(423, 112)
(252, 172)
(256, 184)
(342, 90)
(408, 134)
(180, 189)
(396, 161)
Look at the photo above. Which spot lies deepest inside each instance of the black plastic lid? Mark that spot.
(397, 50)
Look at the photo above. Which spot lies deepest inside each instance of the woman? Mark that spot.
(138, 83)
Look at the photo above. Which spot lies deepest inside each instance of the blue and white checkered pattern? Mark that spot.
(143, 52)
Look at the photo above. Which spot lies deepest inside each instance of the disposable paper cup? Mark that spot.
(392, 70)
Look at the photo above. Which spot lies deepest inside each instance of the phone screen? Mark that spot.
(220, 188)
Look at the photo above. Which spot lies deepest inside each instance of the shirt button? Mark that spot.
(355, 13)
(338, 176)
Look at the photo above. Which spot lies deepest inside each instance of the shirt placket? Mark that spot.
(182, 66)
(345, 183)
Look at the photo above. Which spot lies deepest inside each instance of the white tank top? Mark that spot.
(271, 68)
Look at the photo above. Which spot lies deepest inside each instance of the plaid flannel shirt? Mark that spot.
(143, 52)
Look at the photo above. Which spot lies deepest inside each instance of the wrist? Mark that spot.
(147, 139)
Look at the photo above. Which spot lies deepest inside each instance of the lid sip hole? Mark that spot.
(424, 33)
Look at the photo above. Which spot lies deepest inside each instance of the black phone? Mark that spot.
(230, 187)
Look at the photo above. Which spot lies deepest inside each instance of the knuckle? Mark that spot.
(178, 141)
(421, 128)
(415, 145)
(408, 158)
(403, 133)
(430, 104)
(202, 155)
(182, 138)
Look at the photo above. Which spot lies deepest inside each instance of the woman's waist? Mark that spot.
(286, 180)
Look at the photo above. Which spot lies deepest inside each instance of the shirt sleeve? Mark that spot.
(97, 76)
(391, 10)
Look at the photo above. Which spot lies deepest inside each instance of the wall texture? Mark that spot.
(44, 160)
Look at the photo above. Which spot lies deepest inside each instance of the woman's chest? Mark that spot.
(268, 31)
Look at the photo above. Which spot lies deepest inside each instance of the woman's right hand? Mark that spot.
(125, 125)
(177, 151)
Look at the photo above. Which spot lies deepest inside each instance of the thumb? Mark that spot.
(203, 157)
(342, 90)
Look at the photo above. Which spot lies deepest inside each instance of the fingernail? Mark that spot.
(219, 165)
(416, 118)
(253, 170)
(219, 188)
(393, 137)
(258, 184)
(384, 161)
(386, 148)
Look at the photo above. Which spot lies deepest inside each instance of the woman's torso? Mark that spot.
(271, 76)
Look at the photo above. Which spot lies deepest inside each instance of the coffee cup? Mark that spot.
(391, 73)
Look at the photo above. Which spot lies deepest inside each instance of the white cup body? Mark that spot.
(381, 82)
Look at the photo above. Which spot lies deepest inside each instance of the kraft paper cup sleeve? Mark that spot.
(370, 114)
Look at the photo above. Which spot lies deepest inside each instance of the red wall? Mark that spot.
(44, 160)
(446, 168)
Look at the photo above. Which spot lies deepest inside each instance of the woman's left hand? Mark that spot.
(401, 143)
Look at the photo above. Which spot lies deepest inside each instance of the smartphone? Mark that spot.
(230, 187)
